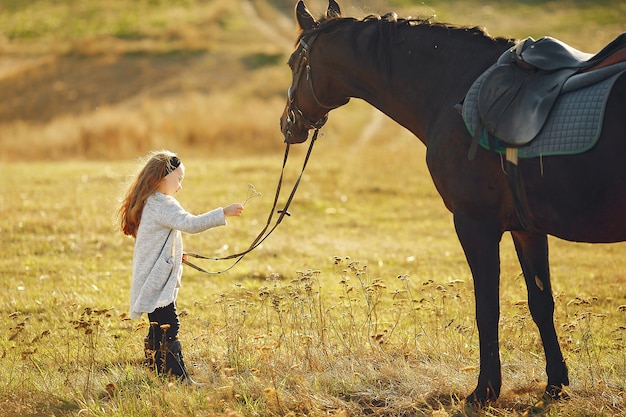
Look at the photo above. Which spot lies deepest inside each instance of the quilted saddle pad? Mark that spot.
(575, 120)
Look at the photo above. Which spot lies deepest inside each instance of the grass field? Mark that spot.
(347, 309)
(360, 303)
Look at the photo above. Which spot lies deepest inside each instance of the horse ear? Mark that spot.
(333, 9)
(305, 20)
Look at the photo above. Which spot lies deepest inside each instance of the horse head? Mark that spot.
(305, 110)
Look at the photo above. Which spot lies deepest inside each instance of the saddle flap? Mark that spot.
(514, 103)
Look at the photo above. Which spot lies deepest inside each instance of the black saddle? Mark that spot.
(515, 99)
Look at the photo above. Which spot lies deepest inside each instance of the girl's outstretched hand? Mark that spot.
(233, 210)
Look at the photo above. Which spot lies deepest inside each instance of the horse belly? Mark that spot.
(606, 224)
(580, 219)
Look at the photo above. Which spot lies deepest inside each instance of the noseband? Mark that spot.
(294, 113)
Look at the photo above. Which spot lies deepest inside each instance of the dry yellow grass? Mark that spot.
(347, 309)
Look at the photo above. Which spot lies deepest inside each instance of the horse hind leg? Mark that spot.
(532, 252)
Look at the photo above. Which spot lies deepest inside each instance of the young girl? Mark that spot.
(151, 214)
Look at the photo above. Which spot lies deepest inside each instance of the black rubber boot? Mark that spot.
(175, 363)
(165, 356)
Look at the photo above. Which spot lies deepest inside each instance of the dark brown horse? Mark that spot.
(416, 72)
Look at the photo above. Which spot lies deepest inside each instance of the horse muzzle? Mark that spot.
(293, 129)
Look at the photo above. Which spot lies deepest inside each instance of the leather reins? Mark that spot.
(292, 111)
(262, 234)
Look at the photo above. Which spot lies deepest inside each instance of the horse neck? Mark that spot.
(428, 70)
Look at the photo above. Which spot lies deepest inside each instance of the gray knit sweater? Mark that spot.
(157, 258)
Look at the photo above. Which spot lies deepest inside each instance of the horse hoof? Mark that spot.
(555, 393)
(481, 397)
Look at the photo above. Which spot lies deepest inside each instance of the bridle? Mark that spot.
(293, 111)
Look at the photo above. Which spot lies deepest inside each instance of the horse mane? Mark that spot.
(391, 19)
(387, 27)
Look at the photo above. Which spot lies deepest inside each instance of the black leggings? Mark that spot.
(164, 315)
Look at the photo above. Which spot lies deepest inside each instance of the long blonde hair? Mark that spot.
(156, 165)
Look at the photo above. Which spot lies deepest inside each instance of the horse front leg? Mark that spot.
(481, 244)
(532, 251)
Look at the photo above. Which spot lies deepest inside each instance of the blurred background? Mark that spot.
(103, 80)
